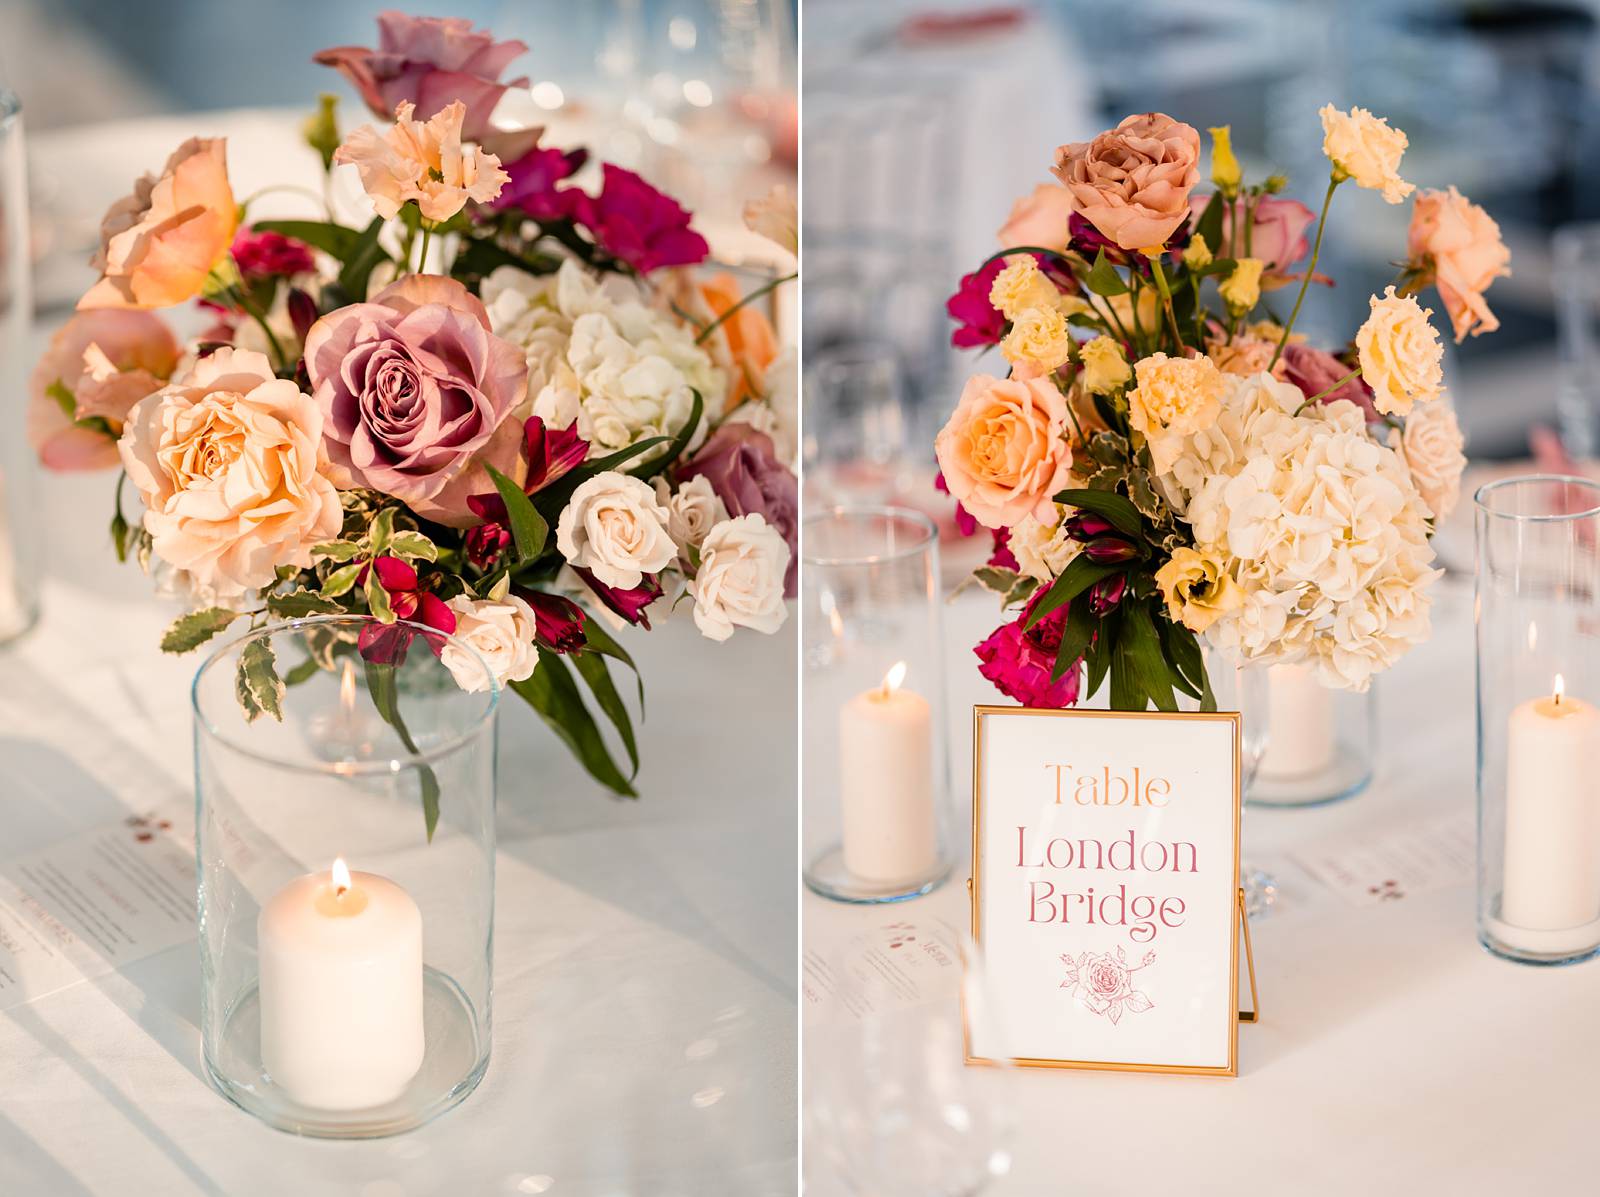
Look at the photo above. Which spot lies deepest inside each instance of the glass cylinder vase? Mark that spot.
(1320, 742)
(877, 820)
(345, 841)
(1538, 661)
(20, 563)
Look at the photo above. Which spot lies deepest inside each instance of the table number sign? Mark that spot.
(1105, 888)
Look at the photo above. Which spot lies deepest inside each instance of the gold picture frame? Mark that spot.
(1240, 926)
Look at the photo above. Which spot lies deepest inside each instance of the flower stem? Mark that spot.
(1323, 394)
(754, 295)
(1311, 270)
(422, 258)
(249, 309)
(1166, 298)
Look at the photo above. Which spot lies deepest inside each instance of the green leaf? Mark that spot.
(680, 442)
(1142, 494)
(359, 263)
(341, 580)
(300, 603)
(591, 668)
(337, 550)
(302, 672)
(1182, 651)
(1142, 646)
(1109, 448)
(601, 641)
(1075, 638)
(554, 695)
(120, 534)
(480, 256)
(1080, 574)
(413, 546)
(1125, 692)
(1098, 658)
(1103, 277)
(1210, 223)
(190, 631)
(528, 528)
(1021, 592)
(378, 599)
(1117, 510)
(257, 684)
(996, 578)
(333, 239)
(65, 399)
(385, 694)
(381, 532)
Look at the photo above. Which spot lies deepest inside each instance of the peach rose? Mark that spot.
(1365, 148)
(1401, 358)
(1174, 397)
(1431, 447)
(1039, 218)
(1459, 243)
(1004, 452)
(1245, 355)
(744, 344)
(424, 162)
(158, 245)
(228, 460)
(99, 364)
(1133, 182)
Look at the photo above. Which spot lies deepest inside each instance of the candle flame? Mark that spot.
(893, 679)
(1560, 688)
(835, 624)
(341, 877)
(347, 689)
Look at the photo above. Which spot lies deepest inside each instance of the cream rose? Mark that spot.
(501, 630)
(692, 512)
(1197, 589)
(1038, 343)
(740, 580)
(1459, 244)
(1105, 367)
(1020, 286)
(1175, 397)
(228, 460)
(1400, 354)
(1431, 448)
(1042, 547)
(1004, 451)
(614, 528)
(1366, 149)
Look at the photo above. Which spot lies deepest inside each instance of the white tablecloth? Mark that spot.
(645, 951)
(1393, 1056)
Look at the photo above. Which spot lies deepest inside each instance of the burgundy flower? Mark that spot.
(629, 604)
(1315, 370)
(302, 312)
(981, 322)
(1110, 550)
(551, 453)
(487, 543)
(270, 255)
(558, 621)
(1019, 663)
(636, 224)
(1002, 555)
(534, 176)
(432, 62)
(386, 643)
(743, 468)
(1107, 593)
(1086, 526)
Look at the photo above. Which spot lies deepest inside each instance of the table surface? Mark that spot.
(644, 959)
(1393, 1053)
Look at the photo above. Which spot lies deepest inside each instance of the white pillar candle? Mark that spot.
(341, 989)
(1300, 723)
(1552, 876)
(886, 783)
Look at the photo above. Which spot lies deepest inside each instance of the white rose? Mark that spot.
(1431, 446)
(228, 461)
(502, 630)
(692, 512)
(740, 580)
(1042, 550)
(614, 527)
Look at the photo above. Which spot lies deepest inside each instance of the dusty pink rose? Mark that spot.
(99, 364)
(1004, 451)
(422, 162)
(1277, 236)
(158, 245)
(429, 62)
(1460, 244)
(1133, 182)
(1315, 370)
(412, 384)
(1039, 218)
(743, 468)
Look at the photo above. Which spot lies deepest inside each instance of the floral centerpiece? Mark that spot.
(1167, 459)
(507, 407)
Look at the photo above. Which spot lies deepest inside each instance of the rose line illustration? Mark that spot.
(1103, 983)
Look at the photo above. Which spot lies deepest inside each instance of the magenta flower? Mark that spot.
(386, 644)
(550, 453)
(980, 321)
(431, 62)
(487, 543)
(262, 255)
(743, 468)
(558, 621)
(534, 176)
(636, 224)
(629, 604)
(965, 523)
(1002, 555)
(412, 384)
(1019, 663)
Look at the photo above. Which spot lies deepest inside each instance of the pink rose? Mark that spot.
(1039, 218)
(1133, 182)
(1106, 979)
(99, 364)
(1315, 370)
(1004, 451)
(1277, 236)
(412, 384)
(429, 62)
(1459, 243)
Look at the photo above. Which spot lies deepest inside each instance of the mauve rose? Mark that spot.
(430, 62)
(1277, 236)
(1315, 370)
(1039, 218)
(1133, 182)
(743, 468)
(412, 384)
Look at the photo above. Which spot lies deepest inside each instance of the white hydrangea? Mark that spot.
(1321, 526)
(602, 356)
(1042, 550)
(778, 413)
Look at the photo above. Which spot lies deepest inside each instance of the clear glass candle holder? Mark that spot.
(877, 786)
(20, 548)
(1538, 655)
(346, 865)
(1321, 742)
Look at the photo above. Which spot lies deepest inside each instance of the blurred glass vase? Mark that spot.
(19, 538)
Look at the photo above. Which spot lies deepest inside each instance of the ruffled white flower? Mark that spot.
(740, 580)
(502, 632)
(1042, 550)
(614, 528)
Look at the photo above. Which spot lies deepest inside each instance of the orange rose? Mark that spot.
(1004, 452)
(158, 245)
(744, 344)
(1039, 218)
(1459, 243)
(1133, 182)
